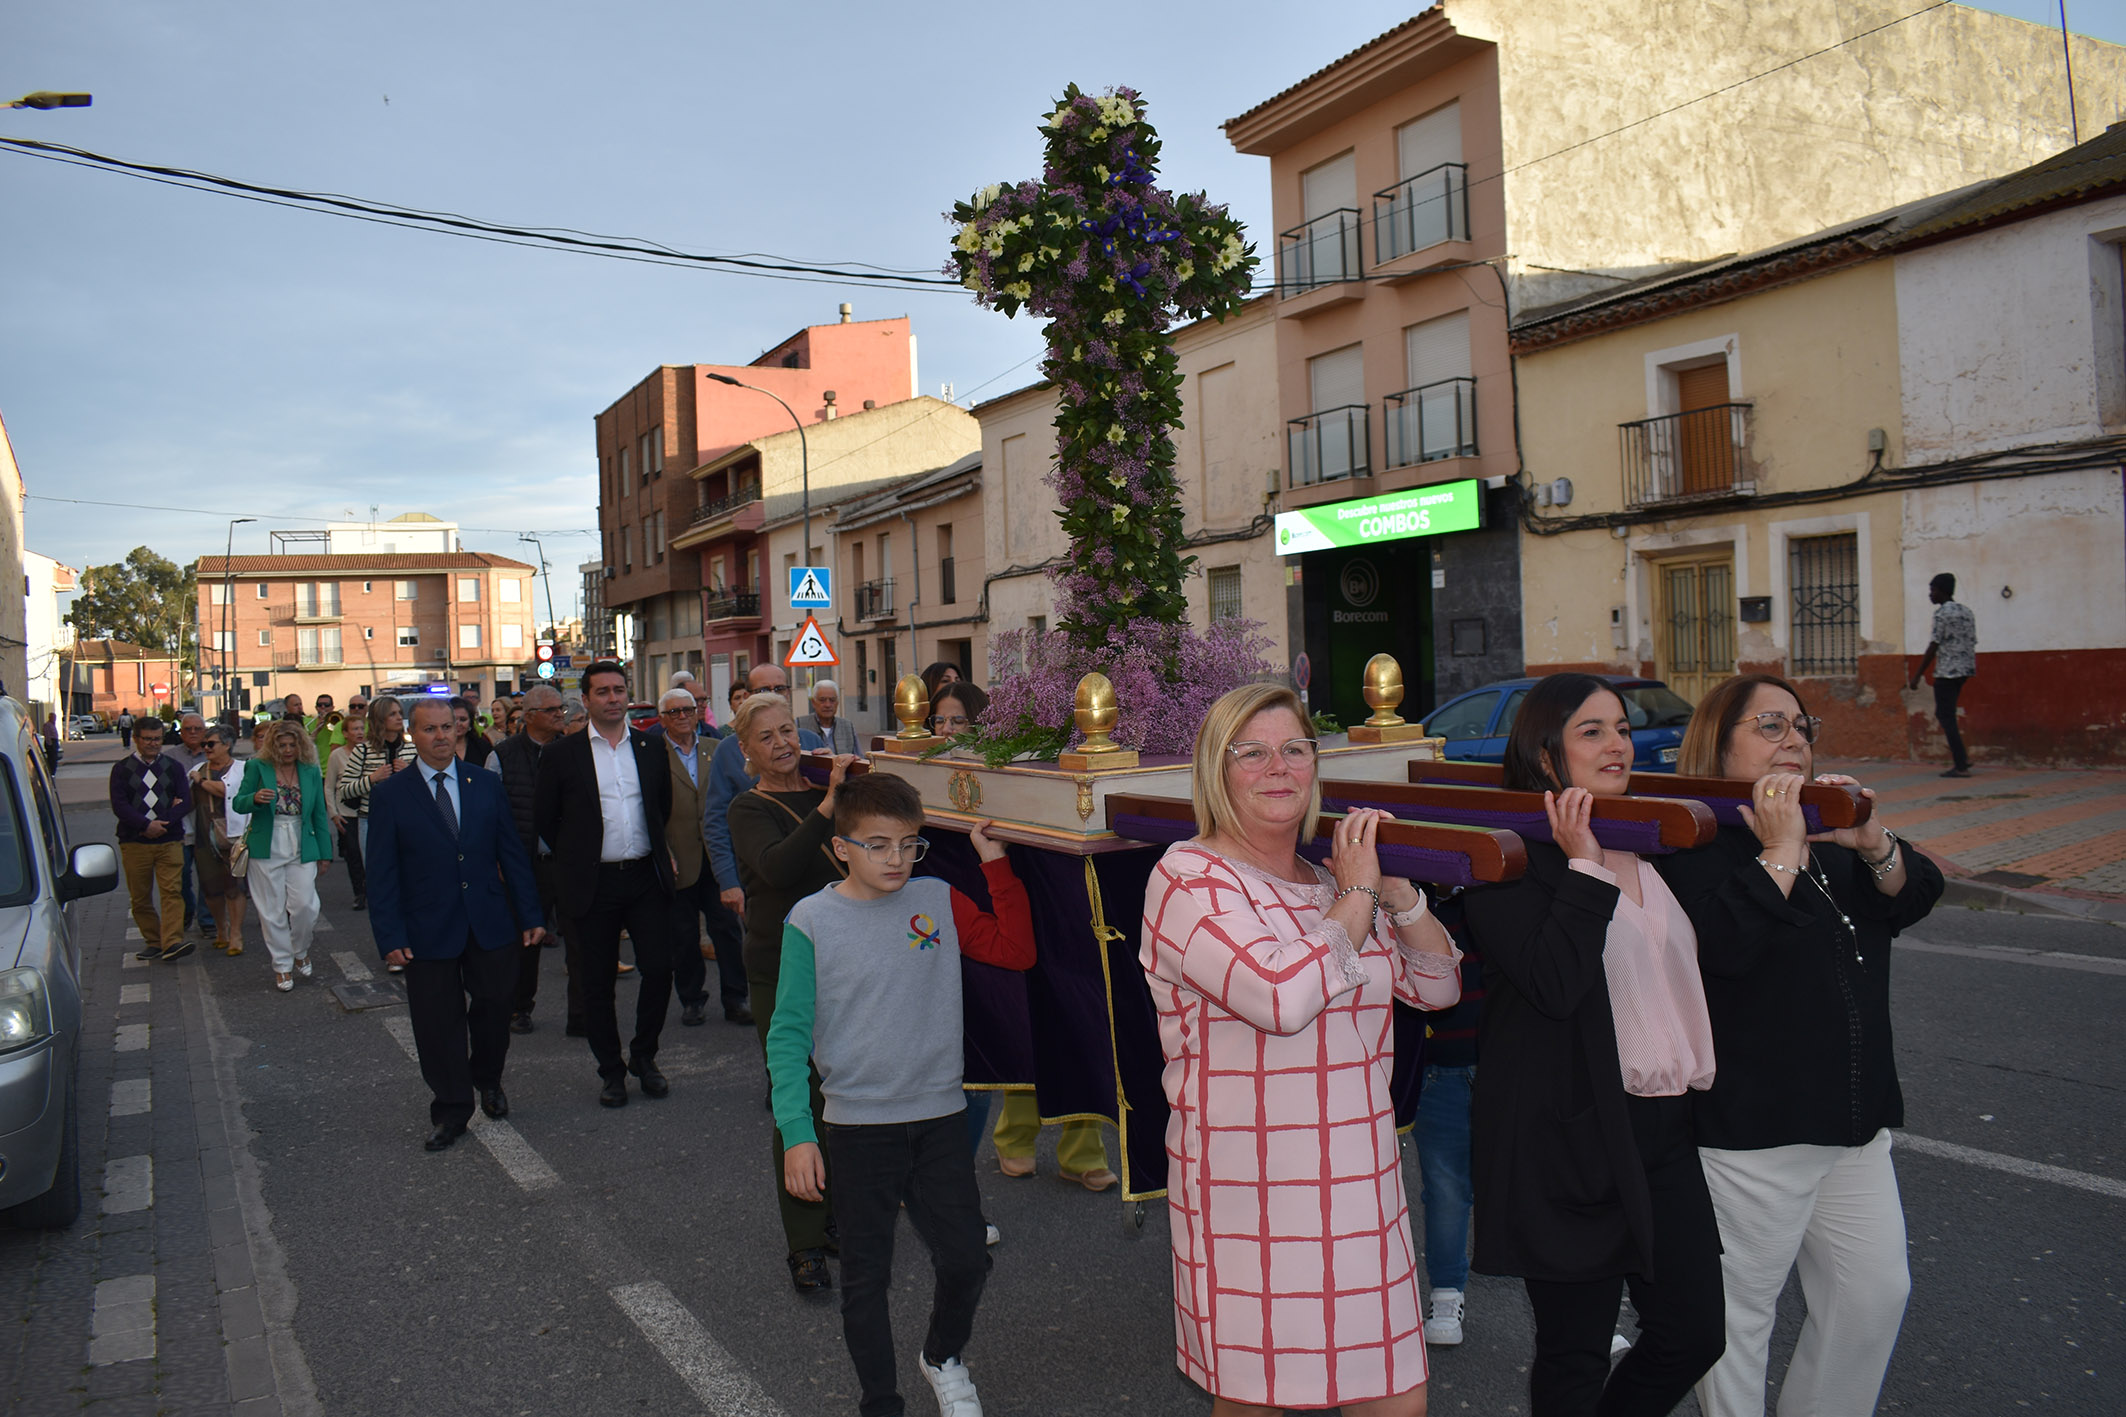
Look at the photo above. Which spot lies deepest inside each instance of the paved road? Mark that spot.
(308, 1256)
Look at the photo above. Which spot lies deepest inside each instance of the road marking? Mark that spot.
(2008, 954)
(134, 961)
(705, 1365)
(132, 1097)
(351, 965)
(132, 1037)
(504, 1142)
(2012, 1165)
(128, 1184)
(135, 994)
(122, 1324)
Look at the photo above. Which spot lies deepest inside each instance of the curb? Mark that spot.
(1973, 895)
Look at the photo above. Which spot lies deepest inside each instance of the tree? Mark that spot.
(145, 599)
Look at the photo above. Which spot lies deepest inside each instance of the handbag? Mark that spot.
(239, 857)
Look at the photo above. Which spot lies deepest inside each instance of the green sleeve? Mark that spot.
(790, 1038)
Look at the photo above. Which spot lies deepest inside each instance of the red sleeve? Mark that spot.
(1004, 939)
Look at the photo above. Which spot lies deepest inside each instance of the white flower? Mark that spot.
(1026, 262)
(1121, 515)
(1184, 270)
(1115, 433)
(988, 194)
(973, 281)
(1108, 285)
(1021, 289)
(969, 239)
(1115, 317)
(1100, 171)
(1098, 135)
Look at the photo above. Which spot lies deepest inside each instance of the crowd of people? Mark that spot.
(1666, 1075)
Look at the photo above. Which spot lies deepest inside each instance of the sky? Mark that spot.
(161, 348)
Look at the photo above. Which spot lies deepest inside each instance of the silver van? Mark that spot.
(40, 982)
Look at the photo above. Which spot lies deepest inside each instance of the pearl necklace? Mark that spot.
(1815, 873)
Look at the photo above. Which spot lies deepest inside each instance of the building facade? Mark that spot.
(14, 610)
(684, 417)
(45, 629)
(110, 677)
(271, 626)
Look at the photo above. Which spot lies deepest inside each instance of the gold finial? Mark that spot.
(1095, 711)
(1384, 690)
(911, 705)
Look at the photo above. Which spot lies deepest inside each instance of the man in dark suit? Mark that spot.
(600, 804)
(452, 900)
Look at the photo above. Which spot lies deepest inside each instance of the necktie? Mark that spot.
(450, 813)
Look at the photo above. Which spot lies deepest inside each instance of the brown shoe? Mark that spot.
(1015, 1165)
(1097, 1179)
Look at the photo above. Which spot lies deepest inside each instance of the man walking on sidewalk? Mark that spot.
(151, 799)
(190, 754)
(1953, 654)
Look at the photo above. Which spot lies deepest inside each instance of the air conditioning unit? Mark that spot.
(442, 654)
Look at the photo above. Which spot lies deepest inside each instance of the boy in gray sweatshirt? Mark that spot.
(870, 993)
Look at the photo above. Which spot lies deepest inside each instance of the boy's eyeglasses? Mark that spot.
(1773, 726)
(892, 852)
(1254, 757)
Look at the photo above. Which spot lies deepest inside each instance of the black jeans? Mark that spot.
(630, 897)
(700, 902)
(528, 967)
(925, 1165)
(1945, 692)
(351, 853)
(1682, 1307)
(459, 1009)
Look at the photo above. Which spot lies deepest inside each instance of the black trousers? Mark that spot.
(926, 1166)
(690, 972)
(351, 853)
(528, 967)
(629, 897)
(1945, 694)
(804, 1223)
(1682, 1306)
(459, 1009)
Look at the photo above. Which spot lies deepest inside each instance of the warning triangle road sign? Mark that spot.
(811, 649)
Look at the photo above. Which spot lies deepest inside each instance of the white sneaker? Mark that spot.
(955, 1390)
(991, 1235)
(1444, 1327)
(1619, 1345)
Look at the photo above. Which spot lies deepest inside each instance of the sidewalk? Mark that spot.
(2040, 839)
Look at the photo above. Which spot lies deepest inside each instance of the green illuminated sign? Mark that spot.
(1422, 511)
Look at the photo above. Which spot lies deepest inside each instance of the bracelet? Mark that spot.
(1794, 871)
(1882, 869)
(1347, 890)
(1399, 918)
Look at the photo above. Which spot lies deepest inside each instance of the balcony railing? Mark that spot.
(1697, 456)
(731, 605)
(1431, 422)
(1319, 252)
(1333, 443)
(748, 493)
(948, 583)
(1422, 211)
(874, 600)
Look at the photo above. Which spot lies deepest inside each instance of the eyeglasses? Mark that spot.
(953, 723)
(676, 712)
(892, 852)
(1252, 756)
(1772, 727)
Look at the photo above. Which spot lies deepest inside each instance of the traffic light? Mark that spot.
(545, 654)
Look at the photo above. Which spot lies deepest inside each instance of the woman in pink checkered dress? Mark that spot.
(1295, 1279)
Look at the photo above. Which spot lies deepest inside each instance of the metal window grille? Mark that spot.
(1225, 593)
(1824, 572)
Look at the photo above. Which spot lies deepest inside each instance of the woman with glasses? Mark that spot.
(782, 838)
(1794, 935)
(956, 707)
(1594, 1041)
(213, 782)
(1295, 1277)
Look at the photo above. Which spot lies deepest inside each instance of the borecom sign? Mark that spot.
(1423, 511)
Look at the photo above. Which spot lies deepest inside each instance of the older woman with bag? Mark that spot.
(289, 841)
(223, 886)
(1794, 935)
(1295, 1276)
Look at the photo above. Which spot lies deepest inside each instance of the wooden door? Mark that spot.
(1704, 441)
(1695, 625)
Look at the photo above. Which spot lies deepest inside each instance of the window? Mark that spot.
(1463, 718)
(317, 599)
(1324, 247)
(368, 586)
(1225, 592)
(265, 639)
(317, 645)
(753, 571)
(1435, 417)
(218, 593)
(512, 636)
(1824, 572)
(1430, 203)
(468, 588)
(627, 548)
(409, 636)
(262, 590)
(468, 637)
(948, 583)
(225, 641)
(406, 590)
(627, 483)
(1333, 440)
(653, 536)
(512, 591)
(863, 674)
(368, 632)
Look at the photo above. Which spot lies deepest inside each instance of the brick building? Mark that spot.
(112, 675)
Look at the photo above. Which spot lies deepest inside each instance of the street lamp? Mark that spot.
(228, 605)
(544, 576)
(42, 99)
(804, 453)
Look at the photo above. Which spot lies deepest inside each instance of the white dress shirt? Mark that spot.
(450, 782)
(627, 834)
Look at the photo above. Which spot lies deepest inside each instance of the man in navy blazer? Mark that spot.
(452, 898)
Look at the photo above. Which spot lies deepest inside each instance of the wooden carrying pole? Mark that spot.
(1825, 808)
(1419, 851)
(1648, 825)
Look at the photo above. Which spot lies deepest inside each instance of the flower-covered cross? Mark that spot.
(1108, 258)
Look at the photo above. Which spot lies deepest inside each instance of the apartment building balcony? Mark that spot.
(1433, 423)
(1417, 215)
(1318, 263)
(741, 510)
(874, 600)
(1331, 445)
(721, 605)
(1699, 455)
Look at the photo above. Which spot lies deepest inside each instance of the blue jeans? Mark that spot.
(1442, 1136)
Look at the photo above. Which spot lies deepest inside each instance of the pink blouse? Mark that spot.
(1664, 1034)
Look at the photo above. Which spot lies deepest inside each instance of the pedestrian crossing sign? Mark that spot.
(811, 651)
(811, 587)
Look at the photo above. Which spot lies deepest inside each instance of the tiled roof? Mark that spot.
(116, 649)
(210, 566)
(1373, 43)
(2078, 172)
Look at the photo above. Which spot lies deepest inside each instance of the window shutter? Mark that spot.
(1338, 378)
(1437, 349)
(1427, 142)
(1329, 187)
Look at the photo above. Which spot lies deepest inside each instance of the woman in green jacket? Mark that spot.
(290, 841)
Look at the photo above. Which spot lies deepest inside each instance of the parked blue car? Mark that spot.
(1475, 724)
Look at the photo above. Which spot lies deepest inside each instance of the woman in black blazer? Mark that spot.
(1594, 1033)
